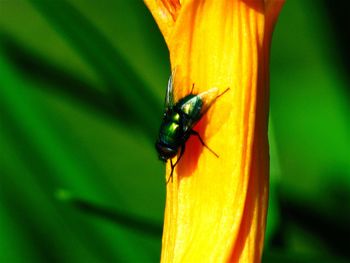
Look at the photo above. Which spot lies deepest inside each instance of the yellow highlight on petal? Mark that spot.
(216, 207)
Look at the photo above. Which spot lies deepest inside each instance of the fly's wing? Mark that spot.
(198, 105)
(169, 96)
(208, 98)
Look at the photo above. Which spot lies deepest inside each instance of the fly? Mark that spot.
(178, 122)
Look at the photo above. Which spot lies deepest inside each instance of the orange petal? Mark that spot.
(216, 207)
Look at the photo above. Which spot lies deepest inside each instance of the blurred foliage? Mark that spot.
(81, 94)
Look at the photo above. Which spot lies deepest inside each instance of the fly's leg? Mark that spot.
(171, 172)
(222, 93)
(193, 132)
(192, 88)
(182, 151)
(173, 165)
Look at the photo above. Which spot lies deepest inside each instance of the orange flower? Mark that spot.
(216, 207)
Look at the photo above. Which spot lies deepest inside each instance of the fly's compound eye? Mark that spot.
(165, 152)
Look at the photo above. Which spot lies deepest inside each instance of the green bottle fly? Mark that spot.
(179, 120)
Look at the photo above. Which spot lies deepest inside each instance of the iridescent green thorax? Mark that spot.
(171, 129)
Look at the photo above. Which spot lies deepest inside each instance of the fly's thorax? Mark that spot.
(171, 130)
(170, 135)
(175, 117)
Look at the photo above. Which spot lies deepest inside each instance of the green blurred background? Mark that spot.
(81, 93)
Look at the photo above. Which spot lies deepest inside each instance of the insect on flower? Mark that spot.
(178, 122)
